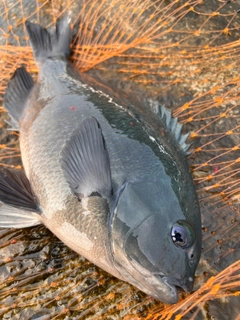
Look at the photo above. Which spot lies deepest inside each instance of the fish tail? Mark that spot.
(50, 43)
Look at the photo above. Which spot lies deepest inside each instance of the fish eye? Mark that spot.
(182, 234)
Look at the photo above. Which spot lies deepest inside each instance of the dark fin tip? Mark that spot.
(95, 194)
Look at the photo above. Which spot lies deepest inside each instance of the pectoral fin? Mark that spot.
(85, 161)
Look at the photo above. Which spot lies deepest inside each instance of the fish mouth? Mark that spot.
(172, 285)
(186, 283)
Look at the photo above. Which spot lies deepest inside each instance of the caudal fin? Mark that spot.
(50, 43)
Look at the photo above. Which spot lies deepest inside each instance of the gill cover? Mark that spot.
(147, 225)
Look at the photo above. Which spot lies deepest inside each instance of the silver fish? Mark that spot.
(110, 180)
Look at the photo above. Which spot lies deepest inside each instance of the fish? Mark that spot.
(105, 174)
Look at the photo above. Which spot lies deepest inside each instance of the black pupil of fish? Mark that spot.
(178, 238)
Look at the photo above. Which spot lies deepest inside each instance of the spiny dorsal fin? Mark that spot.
(16, 95)
(85, 161)
(49, 43)
(172, 124)
(16, 191)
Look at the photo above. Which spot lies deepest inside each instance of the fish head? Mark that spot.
(154, 246)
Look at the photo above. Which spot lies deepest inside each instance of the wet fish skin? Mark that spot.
(137, 182)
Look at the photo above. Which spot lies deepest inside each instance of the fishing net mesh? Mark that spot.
(185, 54)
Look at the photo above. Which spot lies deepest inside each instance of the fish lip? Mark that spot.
(171, 288)
(169, 295)
(186, 283)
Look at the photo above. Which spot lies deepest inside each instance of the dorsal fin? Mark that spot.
(17, 92)
(49, 43)
(85, 161)
(172, 124)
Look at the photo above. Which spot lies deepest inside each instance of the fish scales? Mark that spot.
(107, 177)
(44, 140)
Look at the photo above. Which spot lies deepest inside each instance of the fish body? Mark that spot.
(109, 179)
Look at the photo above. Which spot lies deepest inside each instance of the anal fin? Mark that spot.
(20, 208)
(16, 95)
(11, 217)
(16, 191)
